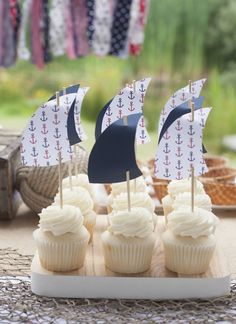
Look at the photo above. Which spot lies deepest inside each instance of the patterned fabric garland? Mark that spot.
(90, 27)
(43, 29)
(23, 51)
(120, 26)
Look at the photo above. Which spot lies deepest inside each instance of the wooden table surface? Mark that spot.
(18, 234)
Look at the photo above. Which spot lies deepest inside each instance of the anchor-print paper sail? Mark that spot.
(179, 97)
(126, 102)
(180, 148)
(113, 153)
(76, 133)
(46, 134)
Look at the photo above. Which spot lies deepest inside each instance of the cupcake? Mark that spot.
(129, 241)
(61, 238)
(137, 199)
(79, 197)
(78, 181)
(200, 200)
(136, 185)
(189, 241)
(176, 187)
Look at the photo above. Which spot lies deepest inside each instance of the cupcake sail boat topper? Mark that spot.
(45, 140)
(129, 101)
(180, 148)
(76, 133)
(181, 96)
(112, 158)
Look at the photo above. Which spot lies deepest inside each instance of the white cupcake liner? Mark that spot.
(126, 256)
(64, 256)
(188, 259)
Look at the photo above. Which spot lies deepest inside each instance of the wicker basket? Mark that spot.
(215, 161)
(221, 193)
(160, 187)
(219, 174)
(38, 186)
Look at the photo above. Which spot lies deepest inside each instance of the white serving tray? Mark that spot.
(94, 280)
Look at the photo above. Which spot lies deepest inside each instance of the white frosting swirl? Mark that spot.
(80, 181)
(121, 187)
(78, 197)
(179, 186)
(137, 199)
(60, 221)
(136, 223)
(184, 222)
(200, 200)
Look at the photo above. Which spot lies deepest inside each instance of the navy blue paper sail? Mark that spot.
(179, 111)
(113, 153)
(71, 129)
(71, 89)
(98, 128)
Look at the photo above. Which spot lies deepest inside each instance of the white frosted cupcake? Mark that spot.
(200, 200)
(137, 199)
(61, 238)
(129, 241)
(176, 187)
(80, 197)
(78, 181)
(82, 181)
(136, 185)
(189, 241)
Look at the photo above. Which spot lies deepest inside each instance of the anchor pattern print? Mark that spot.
(180, 96)
(181, 148)
(46, 134)
(129, 102)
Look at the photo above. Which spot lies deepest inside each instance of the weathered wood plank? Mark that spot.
(9, 160)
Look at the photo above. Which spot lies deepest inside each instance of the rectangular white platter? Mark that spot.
(94, 280)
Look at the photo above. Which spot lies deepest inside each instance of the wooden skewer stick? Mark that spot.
(128, 189)
(70, 162)
(76, 164)
(134, 86)
(59, 160)
(192, 170)
(125, 121)
(60, 179)
(135, 181)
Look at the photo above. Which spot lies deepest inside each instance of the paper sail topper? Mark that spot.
(179, 97)
(76, 133)
(178, 112)
(46, 134)
(126, 102)
(181, 148)
(113, 153)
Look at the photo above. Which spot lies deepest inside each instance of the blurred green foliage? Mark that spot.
(184, 39)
